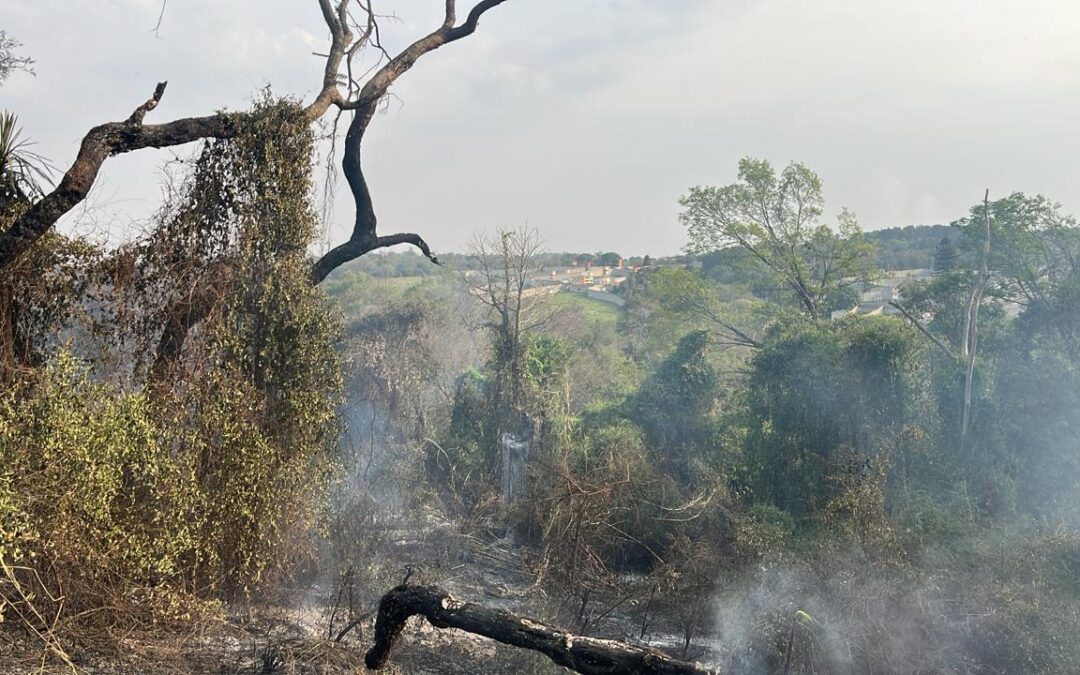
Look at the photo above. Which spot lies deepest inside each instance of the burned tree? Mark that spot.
(353, 28)
(506, 264)
(349, 36)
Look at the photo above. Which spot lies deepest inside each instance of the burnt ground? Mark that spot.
(302, 639)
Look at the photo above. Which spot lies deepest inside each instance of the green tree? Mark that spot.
(1036, 396)
(824, 398)
(945, 257)
(607, 259)
(10, 61)
(1034, 249)
(775, 218)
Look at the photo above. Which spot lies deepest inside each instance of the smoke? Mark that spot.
(985, 599)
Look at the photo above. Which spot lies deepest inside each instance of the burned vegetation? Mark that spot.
(222, 452)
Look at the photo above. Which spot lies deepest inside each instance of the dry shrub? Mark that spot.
(98, 522)
(609, 508)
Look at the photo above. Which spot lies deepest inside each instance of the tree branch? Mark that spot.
(364, 237)
(354, 248)
(580, 653)
(140, 112)
(102, 142)
(114, 138)
(922, 329)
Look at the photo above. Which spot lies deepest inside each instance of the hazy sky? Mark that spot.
(589, 118)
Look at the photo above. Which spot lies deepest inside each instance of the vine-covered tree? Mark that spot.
(353, 28)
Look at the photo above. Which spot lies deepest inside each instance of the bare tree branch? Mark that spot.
(354, 248)
(114, 138)
(364, 237)
(156, 30)
(922, 329)
(102, 142)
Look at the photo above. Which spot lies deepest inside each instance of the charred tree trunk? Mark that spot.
(592, 656)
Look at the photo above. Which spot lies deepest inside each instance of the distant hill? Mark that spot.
(911, 247)
(898, 248)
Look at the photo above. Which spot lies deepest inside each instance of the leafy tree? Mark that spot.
(909, 247)
(10, 61)
(1034, 248)
(824, 398)
(775, 218)
(607, 259)
(687, 297)
(941, 304)
(1036, 396)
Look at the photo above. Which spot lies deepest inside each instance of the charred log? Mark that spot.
(579, 653)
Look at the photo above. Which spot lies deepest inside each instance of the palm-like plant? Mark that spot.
(23, 172)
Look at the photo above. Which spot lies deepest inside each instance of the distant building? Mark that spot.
(875, 296)
(887, 288)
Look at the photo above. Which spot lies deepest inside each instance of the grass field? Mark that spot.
(593, 310)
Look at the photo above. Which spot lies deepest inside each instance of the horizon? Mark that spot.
(590, 120)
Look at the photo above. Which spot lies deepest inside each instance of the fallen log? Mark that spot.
(579, 653)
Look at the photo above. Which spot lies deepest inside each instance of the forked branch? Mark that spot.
(364, 237)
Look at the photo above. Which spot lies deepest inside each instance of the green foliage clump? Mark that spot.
(260, 416)
(774, 218)
(674, 405)
(101, 507)
(826, 401)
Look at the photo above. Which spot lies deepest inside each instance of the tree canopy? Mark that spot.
(775, 218)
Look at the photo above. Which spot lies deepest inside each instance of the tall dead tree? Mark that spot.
(970, 341)
(506, 263)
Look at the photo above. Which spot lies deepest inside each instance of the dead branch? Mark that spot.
(580, 653)
(364, 237)
(114, 138)
(102, 142)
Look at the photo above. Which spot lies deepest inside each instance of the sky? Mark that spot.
(587, 119)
